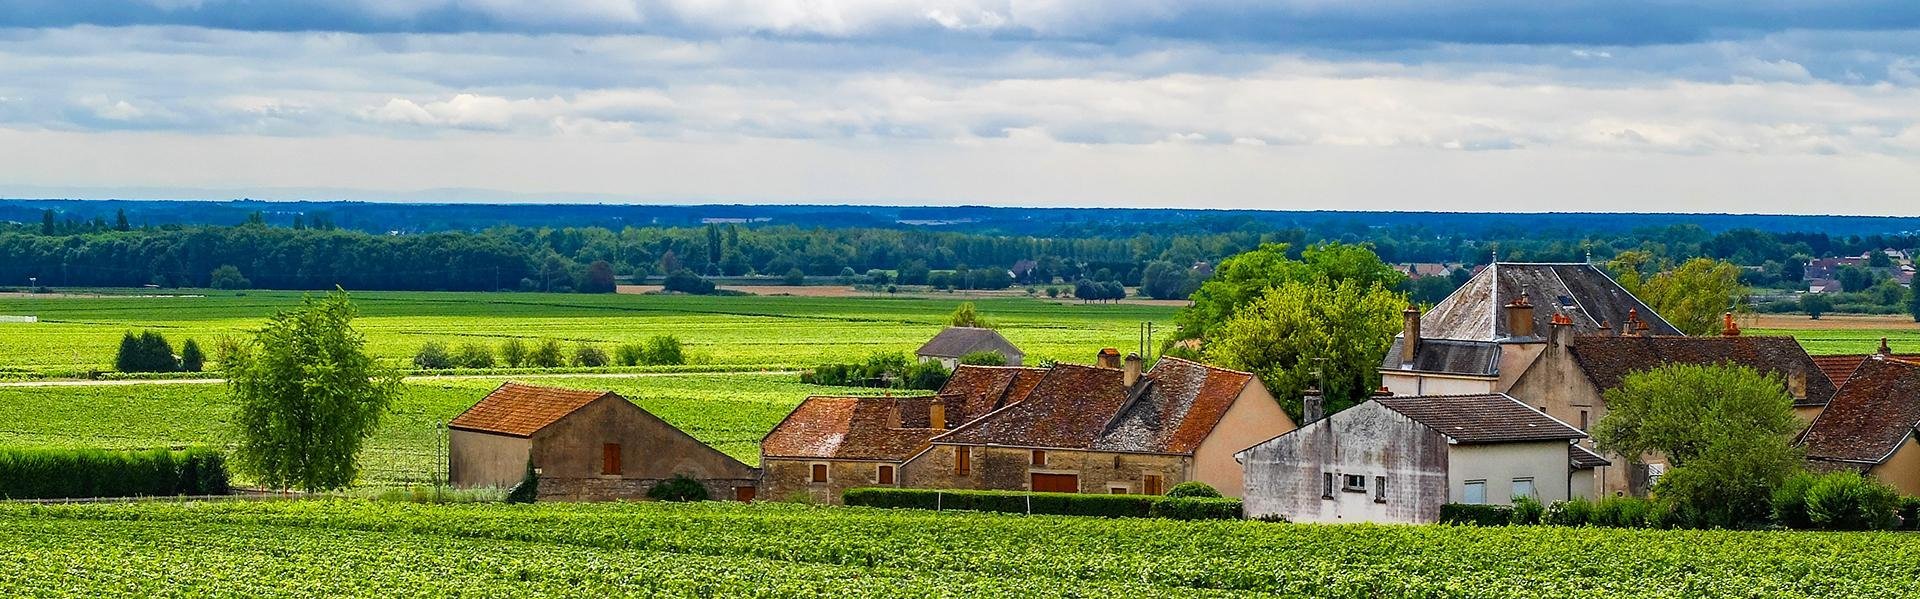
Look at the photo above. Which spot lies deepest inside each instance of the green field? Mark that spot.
(76, 334)
(1821, 342)
(356, 548)
(729, 411)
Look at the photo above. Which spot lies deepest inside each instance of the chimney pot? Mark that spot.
(1519, 315)
(1732, 329)
(1132, 370)
(1108, 358)
(1313, 406)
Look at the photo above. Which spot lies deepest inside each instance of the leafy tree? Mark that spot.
(876, 276)
(514, 353)
(795, 277)
(191, 358)
(984, 358)
(432, 356)
(1794, 270)
(589, 355)
(1879, 259)
(1291, 333)
(1815, 304)
(1245, 278)
(685, 281)
(629, 354)
(1726, 431)
(599, 278)
(473, 354)
(1854, 278)
(1694, 296)
(966, 316)
(679, 488)
(229, 277)
(925, 375)
(308, 397)
(145, 352)
(120, 220)
(914, 272)
(546, 354)
(664, 350)
(1913, 302)
(46, 223)
(1165, 280)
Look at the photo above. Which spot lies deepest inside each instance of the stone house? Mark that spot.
(1870, 425)
(586, 445)
(1398, 459)
(955, 342)
(1102, 429)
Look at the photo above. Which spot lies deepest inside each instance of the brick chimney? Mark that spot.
(1108, 358)
(1132, 370)
(1562, 330)
(1731, 328)
(1634, 326)
(937, 415)
(1519, 314)
(1410, 333)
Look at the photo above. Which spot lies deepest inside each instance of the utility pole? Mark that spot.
(1146, 341)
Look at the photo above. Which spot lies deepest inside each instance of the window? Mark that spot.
(1117, 490)
(1354, 483)
(1326, 480)
(610, 459)
(962, 461)
(1524, 487)
(1583, 420)
(819, 473)
(1039, 457)
(1475, 492)
(886, 474)
(1150, 484)
(1379, 489)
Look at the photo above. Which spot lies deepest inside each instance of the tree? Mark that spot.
(46, 222)
(684, 281)
(120, 220)
(984, 358)
(432, 356)
(514, 353)
(966, 316)
(228, 277)
(1245, 278)
(663, 350)
(590, 356)
(307, 397)
(795, 277)
(546, 354)
(192, 359)
(679, 488)
(145, 352)
(599, 278)
(1879, 259)
(1694, 296)
(1724, 430)
(1300, 335)
(1913, 302)
(473, 354)
(1166, 280)
(914, 272)
(1854, 278)
(1815, 304)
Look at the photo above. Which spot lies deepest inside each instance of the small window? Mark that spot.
(1379, 489)
(819, 473)
(1117, 490)
(1523, 487)
(1583, 420)
(1151, 485)
(1354, 483)
(1039, 457)
(886, 474)
(962, 461)
(1474, 492)
(1326, 481)
(610, 459)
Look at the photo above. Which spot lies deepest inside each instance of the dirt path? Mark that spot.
(410, 379)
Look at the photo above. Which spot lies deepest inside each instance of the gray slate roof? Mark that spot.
(954, 342)
(1489, 418)
(1581, 291)
(1447, 355)
(1581, 458)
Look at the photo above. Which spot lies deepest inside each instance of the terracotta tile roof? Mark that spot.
(1581, 458)
(1840, 367)
(1872, 414)
(973, 391)
(849, 428)
(1492, 418)
(1172, 410)
(954, 342)
(521, 410)
(1607, 360)
(1068, 409)
(1181, 405)
(1582, 292)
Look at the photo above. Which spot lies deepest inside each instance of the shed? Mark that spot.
(954, 342)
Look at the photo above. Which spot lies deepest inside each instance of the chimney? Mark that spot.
(1313, 407)
(937, 415)
(1634, 325)
(1410, 332)
(1132, 370)
(1884, 350)
(1562, 332)
(1797, 383)
(893, 414)
(1732, 329)
(1108, 358)
(1520, 317)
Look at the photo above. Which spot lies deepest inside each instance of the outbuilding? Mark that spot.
(954, 343)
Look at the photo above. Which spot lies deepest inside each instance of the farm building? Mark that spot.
(1398, 459)
(955, 342)
(1093, 429)
(1869, 426)
(586, 445)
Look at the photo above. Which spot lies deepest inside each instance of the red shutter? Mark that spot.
(1056, 483)
(819, 473)
(743, 493)
(610, 458)
(886, 475)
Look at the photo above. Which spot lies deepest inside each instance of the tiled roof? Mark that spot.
(1447, 355)
(521, 410)
(1581, 458)
(1582, 292)
(1870, 416)
(1839, 368)
(1069, 408)
(954, 342)
(1173, 409)
(850, 428)
(973, 391)
(1491, 418)
(1184, 400)
(1607, 360)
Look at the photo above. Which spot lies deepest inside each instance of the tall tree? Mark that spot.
(1694, 296)
(307, 397)
(120, 220)
(46, 222)
(1301, 335)
(966, 316)
(1913, 302)
(1246, 277)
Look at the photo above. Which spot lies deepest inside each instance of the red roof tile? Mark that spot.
(521, 410)
(849, 428)
(973, 391)
(1840, 367)
(1174, 408)
(1871, 415)
(1608, 360)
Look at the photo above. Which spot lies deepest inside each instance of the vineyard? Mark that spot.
(76, 334)
(351, 548)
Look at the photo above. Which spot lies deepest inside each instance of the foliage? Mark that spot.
(514, 353)
(881, 369)
(684, 281)
(1790, 500)
(228, 277)
(307, 397)
(528, 489)
(1692, 297)
(663, 350)
(1246, 278)
(1815, 304)
(1300, 335)
(64, 473)
(432, 356)
(599, 278)
(192, 359)
(546, 354)
(966, 316)
(1193, 488)
(925, 375)
(984, 358)
(1913, 302)
(589, 355)
(1476, 514)
(473, 354)
(1850, 501)
(795, 277)
(1526, 511)
(1631, 512)
(1568, 512)
(679, 488)
(1166, 280)
(145, 352)
(1065, 504)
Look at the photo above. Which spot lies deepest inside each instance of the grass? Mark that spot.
(81, 333)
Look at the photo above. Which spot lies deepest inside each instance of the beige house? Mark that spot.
(953, 343)
(1398, 459)
(586, 445)
(1109, 429)
(1870, 425)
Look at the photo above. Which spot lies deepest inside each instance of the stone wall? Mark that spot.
(1010, 469)
(608, 488)
(784, 479)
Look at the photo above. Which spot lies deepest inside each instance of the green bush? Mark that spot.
(191, 358)
(925, 375)
(513, 352)
(146, 352)
(473, 355)
(589, 356)
(66, 473)
(984, 358)
(1568, 512)
(1193, 488)
(663, 350)
(1849, 501)
(546, 355)
(679, 488)
(1197, 508)
(432, 356)
(1526, 511)
(1623, 512)
(1475, 514)
(1790, 501)
(528, 489)
(1910, 513)
(1064, 504)
(629, 354)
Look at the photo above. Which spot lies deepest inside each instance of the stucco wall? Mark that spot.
(1902, 470)
(1254, 417)
(650, 449)
(1556, 385)
(1807, 414)
(485, 460)
(1499, 464)
(1285, 476)
(784, 479)
(1407, 382)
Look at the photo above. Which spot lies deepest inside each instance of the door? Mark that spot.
(1056, 483)
(743, 494)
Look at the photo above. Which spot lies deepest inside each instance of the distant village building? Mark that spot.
(1421, 270)
(1099, 429)
(1398, 459)
(955, 342)
(1869, 427)
(587, 445)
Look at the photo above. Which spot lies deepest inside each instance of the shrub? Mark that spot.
(191, 358)
(984, 358)
(432, 356)
(1064, 504)
(1526, 511)
(1197, 508)
(514, 353)
(229, 277)
(528, 489)
(1475, 514)
(1790, 501)
(684, 281)
(589, 356)
(1910, 513)
(67, 473)
(1569, 512)
(795, 277)
(473, 355)
(679, 488)
(145, 352)
(629, 354)
(663, 350)
(1629, 512)
(546, 355)
(925, 375)
(1193, 488)
(1849, 501)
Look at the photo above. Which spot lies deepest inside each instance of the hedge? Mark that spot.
(1064, 504)
(71, 473)
(1476, 514)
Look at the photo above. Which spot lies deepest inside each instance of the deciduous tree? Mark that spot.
(1300, 334)
(1694, 296)
(1244, 278)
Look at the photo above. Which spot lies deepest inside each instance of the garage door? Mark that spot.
(1056, 483)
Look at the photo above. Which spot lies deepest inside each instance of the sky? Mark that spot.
(1747, 106)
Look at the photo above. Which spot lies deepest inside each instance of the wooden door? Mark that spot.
(610, 458)
(743, 493)
(1056, 483)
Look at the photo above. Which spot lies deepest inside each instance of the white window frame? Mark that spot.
(1347, 483)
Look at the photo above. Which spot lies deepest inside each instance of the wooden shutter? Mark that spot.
(886, 474)
(743, 493)
(819, 473)
(1039, 457)
(962, 461)
(1151, 485)
(1056, 483)
(610, 458)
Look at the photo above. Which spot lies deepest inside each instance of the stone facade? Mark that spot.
(613, 488)
(783, 479)
(1012, 469)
